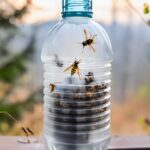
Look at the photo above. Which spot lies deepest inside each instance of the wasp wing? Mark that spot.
(68, 68)
(85, 33)
(91, 36)
(91, 47)
(78, 72)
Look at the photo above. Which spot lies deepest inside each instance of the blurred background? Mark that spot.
(23, 27)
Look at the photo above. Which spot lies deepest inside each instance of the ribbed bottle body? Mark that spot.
(77, 86)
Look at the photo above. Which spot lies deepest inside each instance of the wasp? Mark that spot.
(89, 95)
(74, 68)
(89, 41)
(89, 77)
(52, 87)
(57, 60)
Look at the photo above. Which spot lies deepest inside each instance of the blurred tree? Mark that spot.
(13, 68)
(146, 10)
(145, 123)
(143, 92)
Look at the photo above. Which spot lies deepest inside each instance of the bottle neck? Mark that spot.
(77, 8)
(77, 20)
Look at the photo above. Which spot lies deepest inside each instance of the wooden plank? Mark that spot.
(117, 143)
(10, 143)
(130, 143)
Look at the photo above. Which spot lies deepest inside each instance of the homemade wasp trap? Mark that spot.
(77, 58)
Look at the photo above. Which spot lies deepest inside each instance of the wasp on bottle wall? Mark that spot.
(89, 41)
(52, 87)
(74, 68)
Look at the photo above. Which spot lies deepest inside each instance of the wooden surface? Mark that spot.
(117, 143)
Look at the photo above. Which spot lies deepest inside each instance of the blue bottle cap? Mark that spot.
(73, 8)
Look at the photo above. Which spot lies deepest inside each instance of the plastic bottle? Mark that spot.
(77, 57)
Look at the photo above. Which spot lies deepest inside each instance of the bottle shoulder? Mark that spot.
(69, 38)
(76, 23)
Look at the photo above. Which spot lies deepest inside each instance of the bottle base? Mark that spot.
(102, 145)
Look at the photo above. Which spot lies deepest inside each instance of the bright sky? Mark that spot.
(102, 9)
